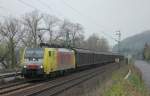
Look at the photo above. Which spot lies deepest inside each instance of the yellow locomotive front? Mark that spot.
(33, 62)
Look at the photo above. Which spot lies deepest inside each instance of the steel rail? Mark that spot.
(7, 75)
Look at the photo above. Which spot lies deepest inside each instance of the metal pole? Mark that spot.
(67, 42)
(119, 39)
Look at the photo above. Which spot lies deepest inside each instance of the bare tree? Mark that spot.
(52, 27)
(4, 57)
(31, 23)
(76, 34)
(72, 33)
(96, 43)
(11, 32)
(65, 28)
(59, 32)
(91, 42)
(103, 45)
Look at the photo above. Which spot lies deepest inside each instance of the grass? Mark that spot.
(133, 86)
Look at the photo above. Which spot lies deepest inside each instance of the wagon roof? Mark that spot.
(96, 52)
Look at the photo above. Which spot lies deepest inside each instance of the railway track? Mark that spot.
(54, 87)
(16, 86)
(10, 78)
(7, 75)
(12, 84)
(57, 89)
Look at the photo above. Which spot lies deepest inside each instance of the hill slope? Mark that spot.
(134, 45)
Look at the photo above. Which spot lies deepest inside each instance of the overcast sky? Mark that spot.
(97, 16)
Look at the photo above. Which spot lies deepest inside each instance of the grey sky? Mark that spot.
(97, 16)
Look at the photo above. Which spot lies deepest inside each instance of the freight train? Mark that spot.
(47, 61)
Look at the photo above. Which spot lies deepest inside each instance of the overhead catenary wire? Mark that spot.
(1, 7)
(49, 7)
(88, 18)
(6, 9)
(46, 5)
(27, 4)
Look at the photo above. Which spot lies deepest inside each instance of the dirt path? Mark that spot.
(145, 69)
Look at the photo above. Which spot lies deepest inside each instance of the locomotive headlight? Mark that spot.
(25, 66)
(41, 66)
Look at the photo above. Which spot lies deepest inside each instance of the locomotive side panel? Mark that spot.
(57, 59)
(50, 63)
(65, 59)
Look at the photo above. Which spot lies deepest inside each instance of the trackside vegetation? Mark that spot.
(131, 86)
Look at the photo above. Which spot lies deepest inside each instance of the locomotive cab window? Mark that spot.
(36, 53)
(50, 53)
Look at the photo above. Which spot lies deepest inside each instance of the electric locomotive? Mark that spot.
(45, 61)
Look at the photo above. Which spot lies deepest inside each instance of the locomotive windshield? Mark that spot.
(36, 53)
